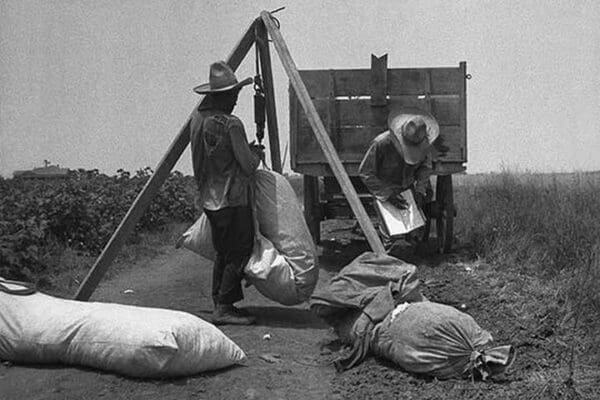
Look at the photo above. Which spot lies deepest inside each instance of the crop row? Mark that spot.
(80, 212)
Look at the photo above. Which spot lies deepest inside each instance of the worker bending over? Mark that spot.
(400, 159)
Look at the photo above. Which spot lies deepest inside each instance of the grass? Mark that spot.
(69, 267)
(546, 223)
(544, 228)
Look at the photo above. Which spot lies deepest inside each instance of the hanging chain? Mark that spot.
(259, 100)
(259, 91)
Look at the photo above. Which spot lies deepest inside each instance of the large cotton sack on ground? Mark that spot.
(361, 295)
(438, 340)
(134, 341)
(283, 266)
(373, 283)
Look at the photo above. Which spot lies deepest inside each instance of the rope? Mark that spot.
(24, 290)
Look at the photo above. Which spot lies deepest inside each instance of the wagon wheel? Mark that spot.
(446, 212)
(312, 213)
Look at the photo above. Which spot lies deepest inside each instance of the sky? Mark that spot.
(107, 84)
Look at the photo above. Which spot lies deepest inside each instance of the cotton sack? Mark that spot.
(438, 340)
(130, 340)
(283, 266)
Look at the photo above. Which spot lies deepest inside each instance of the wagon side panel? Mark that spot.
(342, 99)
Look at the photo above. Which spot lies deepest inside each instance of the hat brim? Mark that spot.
(206, 89)
(413, 153)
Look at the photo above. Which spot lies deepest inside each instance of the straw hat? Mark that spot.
(415, 130)
(220, 79)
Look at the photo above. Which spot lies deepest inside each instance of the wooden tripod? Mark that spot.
(257, 34)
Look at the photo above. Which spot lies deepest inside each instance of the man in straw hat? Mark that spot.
(400, 158)
(224, 164)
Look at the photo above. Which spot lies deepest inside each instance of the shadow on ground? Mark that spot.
(285, 317)
(338, 250)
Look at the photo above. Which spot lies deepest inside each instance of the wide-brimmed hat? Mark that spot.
(416, 131)
(220, 79)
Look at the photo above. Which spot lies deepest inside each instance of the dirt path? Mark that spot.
(180, 280)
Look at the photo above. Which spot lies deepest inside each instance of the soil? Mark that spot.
(296, 362)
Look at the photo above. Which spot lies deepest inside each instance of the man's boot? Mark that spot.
(227, 314)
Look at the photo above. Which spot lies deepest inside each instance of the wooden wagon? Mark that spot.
(353, 105)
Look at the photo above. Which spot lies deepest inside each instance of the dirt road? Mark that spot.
(296, 362)
(288, 366)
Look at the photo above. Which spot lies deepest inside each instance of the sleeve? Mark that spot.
(368, 172)
(246, 158)
(197, 148)
(422, 175)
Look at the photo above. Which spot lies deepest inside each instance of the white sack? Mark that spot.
(439, 341)
(281, 221)
(272, 274)
(198, 238)
(283, 265)
(134, 341)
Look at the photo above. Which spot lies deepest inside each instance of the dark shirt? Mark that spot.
(222, 160)
(384, 171)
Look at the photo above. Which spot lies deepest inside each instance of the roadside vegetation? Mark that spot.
(540, 234)
(47, 226)
(546, 226)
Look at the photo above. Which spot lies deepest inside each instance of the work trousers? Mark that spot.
(233, 237)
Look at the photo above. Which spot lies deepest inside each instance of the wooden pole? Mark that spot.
(262, 41)
(160, 174)
(321, 135)
(379, 84)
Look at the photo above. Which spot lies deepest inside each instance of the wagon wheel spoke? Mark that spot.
(311, 207)
(445, 218)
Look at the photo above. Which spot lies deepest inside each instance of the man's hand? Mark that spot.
(258, 150)
(419, 199)
(398, 201)
(440, 146)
